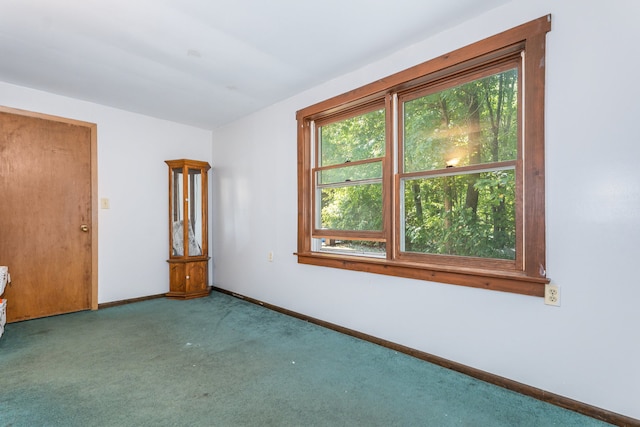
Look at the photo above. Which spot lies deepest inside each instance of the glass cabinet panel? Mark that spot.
(186, 207)
(194, 207)
(177, 212)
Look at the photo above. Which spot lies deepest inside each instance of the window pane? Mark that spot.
(177, 210)
(354, 247)
(356, 138)
(473, 123)
(351, 173)
(195, 212)
(357, 207)
(466, 215)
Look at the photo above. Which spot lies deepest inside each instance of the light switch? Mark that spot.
(104, 203)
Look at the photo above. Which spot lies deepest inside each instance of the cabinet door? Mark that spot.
(177, 278)
(197, 277)
(188, 279)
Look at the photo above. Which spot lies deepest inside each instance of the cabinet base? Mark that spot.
(189, 295)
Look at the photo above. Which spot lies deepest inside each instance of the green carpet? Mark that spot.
(221, 361)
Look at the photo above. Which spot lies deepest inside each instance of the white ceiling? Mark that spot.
(206, 62)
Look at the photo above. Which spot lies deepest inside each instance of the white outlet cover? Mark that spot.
(552, 295)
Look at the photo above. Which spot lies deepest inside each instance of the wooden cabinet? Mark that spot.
(188, 229)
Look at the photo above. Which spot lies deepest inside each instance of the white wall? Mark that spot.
(589, 348)
(133, 241)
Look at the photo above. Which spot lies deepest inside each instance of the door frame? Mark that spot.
(93, 128)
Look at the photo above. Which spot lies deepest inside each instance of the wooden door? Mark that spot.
(47, 219)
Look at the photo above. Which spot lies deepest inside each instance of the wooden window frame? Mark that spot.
(364, 235)
(529, 275)
(511, 61)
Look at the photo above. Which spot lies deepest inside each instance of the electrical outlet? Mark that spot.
(270, 256)
(552, 295)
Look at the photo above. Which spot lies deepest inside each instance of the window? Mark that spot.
(348, 177)
(434, 173)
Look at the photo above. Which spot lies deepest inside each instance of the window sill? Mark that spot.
(504, 281)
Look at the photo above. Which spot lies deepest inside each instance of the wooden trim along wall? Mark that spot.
(536, 393)
(129, 301)
(94, 216)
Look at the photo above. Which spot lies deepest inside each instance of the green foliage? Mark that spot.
(452, 228)
(466, 214)
(357, 138)
(351, 173)
(469, 214)
(473, 123)
(352, 208)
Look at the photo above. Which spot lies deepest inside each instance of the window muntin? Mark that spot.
(522, 49)
(351, 173)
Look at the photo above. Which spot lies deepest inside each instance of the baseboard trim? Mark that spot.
(129, 301)
(545, 396)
